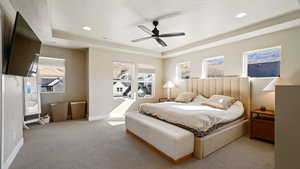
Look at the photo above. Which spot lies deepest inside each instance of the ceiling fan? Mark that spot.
(154, 34)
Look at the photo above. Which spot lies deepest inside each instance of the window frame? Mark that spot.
(134, 81)
(205, 66)
(178, 74)
(245, 62)
(153, 85)
(64, 77)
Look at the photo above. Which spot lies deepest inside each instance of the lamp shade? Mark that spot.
(271, 86)
(169, 85)
(277, 81)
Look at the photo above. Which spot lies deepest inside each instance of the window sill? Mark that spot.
(182, 80)
(122, 98)
(52, 92)
(145, 98)
(262, 78)
(139, 98)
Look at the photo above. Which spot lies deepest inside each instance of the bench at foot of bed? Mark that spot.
(172, 142)
(177, 144)
(158, 151)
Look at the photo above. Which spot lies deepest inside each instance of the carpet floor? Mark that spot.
(103, 145)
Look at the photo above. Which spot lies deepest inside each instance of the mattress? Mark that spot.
(227, 125)
(199, 119)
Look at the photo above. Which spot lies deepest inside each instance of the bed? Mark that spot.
(217, 132)
(199, 119)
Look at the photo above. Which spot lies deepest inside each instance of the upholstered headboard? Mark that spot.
(237, 87)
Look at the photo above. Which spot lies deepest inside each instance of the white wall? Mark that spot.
(290, 69)
(101, 101)
(12, 97)
(75, 76)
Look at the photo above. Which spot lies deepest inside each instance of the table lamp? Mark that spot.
(271, 87)
(169, 85)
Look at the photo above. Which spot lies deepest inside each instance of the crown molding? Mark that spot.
(84, 42)
(283, 22)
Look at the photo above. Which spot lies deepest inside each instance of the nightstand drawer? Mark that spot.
(263, 128)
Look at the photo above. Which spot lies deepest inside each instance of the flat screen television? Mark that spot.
(24, 50)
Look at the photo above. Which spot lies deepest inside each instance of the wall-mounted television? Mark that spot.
(24, 50)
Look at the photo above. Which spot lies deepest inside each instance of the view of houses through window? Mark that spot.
(122, 79)
(145, 84)
(262, 63)
(183, 70)
(51, 75)
(213, 67)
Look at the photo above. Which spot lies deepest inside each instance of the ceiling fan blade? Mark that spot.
(172, 34)
(145, 29)
(167, 15)
(141, 39)
(161, 42)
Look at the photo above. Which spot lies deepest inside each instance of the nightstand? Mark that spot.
(166, 99)
(262, 125)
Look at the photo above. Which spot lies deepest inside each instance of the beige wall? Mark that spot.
(75, 77)
(290, 69)
(37, 15)
(34, 11)
(101, 101)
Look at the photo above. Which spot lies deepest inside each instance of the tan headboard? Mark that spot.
(237, 87)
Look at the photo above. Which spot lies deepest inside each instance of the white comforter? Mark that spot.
(193, 115)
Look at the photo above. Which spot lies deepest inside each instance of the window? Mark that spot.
(119, 89)
(262, 63)
(51, 75)
(213, 67)
(145, 85)
(122, 79)
(145, 81)
(183, 71)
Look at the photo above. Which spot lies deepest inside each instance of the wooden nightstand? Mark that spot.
(166, 99)
(262, 125)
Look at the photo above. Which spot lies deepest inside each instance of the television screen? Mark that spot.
(24, 50)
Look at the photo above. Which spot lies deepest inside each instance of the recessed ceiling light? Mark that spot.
(241, 15)
(86, 28)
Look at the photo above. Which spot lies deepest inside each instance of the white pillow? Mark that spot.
(220, 101)
(200, 99)
(185, 97)
(235, 110)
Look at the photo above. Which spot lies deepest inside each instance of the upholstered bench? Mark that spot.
(169, 140)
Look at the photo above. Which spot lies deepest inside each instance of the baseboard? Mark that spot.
(13, 155)
(94, 118)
